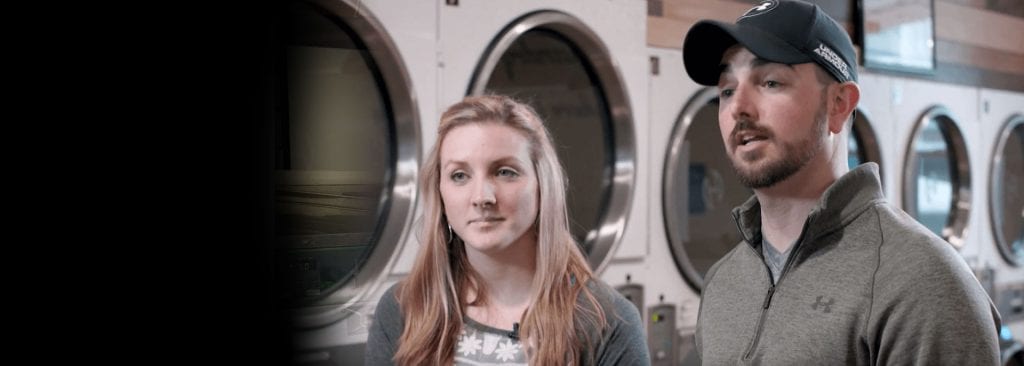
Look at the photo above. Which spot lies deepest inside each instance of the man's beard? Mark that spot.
(795, 155)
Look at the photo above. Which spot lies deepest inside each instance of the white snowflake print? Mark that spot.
(468, 345)
(507, 351)
(490, 343)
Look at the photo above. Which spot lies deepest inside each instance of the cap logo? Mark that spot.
(826, 53)
(766, 6)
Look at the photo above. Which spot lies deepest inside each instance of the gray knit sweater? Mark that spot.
(865, 285)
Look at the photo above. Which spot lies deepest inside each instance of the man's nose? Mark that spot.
(742, 104)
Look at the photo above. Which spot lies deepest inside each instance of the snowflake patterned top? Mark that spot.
(483, 345)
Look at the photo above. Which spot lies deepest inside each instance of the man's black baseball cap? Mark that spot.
(783, 31)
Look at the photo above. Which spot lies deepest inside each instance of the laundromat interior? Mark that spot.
(359, 87)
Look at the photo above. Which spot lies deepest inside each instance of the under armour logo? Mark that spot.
(826, 305)
(760, 9)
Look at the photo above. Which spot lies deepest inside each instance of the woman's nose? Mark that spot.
(484, 193)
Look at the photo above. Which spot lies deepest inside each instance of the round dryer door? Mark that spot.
(936, 177)
(699, 190)
(555, 63)
(343, 131)
(1006, 191)
(863, 145)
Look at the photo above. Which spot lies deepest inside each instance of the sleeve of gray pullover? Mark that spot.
(928, 309)
(698, 338)
(625, 341)
(385, 331)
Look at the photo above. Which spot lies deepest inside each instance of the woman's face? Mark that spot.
(488, 186)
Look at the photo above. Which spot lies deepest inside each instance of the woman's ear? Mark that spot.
(844, 102)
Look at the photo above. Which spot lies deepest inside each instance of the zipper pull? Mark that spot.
(768, 299)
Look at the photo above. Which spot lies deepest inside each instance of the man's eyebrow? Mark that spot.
(754, 63)
(759, 62)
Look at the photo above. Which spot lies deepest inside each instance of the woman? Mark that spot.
(499, 278)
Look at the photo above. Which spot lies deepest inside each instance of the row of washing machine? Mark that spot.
(362, 84)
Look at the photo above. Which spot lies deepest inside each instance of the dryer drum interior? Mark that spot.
(699, 190)
(344, 126)
(936, 177)
(555, 63)
(863, 144)
(1006, 191)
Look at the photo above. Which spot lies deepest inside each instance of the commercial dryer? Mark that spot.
(349, 96)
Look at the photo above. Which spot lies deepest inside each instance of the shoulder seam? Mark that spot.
(874, 274)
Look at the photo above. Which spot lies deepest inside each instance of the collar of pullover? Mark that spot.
(843, 201)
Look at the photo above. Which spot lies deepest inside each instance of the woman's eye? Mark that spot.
(772, 84)
(505, 172)
(459, 176)
(725, 93)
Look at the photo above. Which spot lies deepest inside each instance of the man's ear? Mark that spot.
(844, 101)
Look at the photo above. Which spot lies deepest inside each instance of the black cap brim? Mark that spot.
(708, 39)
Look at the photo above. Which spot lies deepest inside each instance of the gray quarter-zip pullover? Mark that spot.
(865, 284)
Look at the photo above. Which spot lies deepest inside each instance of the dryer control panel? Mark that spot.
(661, 334)
(635, 294)
(1011, 302)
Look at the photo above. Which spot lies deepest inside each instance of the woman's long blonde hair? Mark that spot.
(432, 297)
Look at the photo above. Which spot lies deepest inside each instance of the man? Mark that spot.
(828, 272)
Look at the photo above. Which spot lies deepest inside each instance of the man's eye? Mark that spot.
(772, 84)
(725, 93)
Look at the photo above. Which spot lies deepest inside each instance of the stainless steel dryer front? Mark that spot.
(347, 143)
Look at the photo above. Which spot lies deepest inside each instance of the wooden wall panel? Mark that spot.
(982, 57)
(677, 16)
(978, 42)
(1008, 7)
(694, 10)
(666, 32)
(978, 27)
